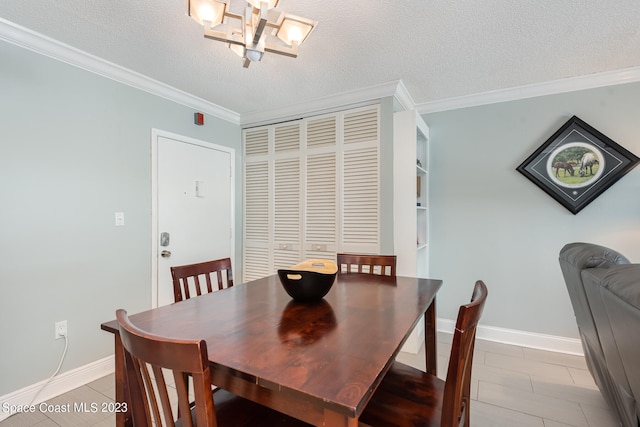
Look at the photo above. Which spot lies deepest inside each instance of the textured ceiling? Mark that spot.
(440, 49)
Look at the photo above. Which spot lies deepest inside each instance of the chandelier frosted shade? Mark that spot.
(270, 3)
(294, 29)
(207, 12)
(251, 33)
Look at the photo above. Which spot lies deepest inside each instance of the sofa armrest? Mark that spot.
(588, 255)
(574, 258)
(619, 292)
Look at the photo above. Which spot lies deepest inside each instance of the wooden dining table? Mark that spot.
(319, 362)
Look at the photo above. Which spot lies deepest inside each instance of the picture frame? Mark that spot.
(577, 164)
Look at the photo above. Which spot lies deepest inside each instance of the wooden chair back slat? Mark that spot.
(196, 276)
(367, 264)
(457, 389)
(148, 358)
(183, 357)
(410, 397)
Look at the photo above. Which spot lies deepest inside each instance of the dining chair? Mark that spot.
(409, 397)
(150, 360)
(191, 276)
(368, 264)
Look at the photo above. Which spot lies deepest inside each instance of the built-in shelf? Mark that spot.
(411, 203)
(411, 193)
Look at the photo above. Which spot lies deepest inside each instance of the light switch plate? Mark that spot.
(119, 219)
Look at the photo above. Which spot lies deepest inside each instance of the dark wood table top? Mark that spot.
(332, 353)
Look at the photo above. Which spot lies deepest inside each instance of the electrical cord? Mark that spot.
(64, 353)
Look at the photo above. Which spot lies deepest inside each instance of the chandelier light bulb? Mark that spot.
(253, 55)
(294, 34)
(270, 3)
(294, 29)
(206, 13)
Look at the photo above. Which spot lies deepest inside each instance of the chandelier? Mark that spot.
(251, 33)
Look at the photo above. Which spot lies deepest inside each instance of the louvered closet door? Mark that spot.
(256, 259)
(287, 197)
(311, 190)
(321, 205)
(360, 180)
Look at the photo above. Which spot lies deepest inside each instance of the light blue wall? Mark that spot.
(489, 222)
(75, 148)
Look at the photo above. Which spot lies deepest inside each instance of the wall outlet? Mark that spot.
(61, 329)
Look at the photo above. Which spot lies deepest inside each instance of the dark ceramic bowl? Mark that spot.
(304, 285)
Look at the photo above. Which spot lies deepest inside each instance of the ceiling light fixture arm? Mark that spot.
(255, 34)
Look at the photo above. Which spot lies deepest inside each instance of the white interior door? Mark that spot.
(194, 199)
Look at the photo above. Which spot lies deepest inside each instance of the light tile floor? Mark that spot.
(512, 387)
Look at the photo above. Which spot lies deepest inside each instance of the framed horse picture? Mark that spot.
(577, 164)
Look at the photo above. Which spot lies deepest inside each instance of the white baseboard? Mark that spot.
(520, 338)
(59, 385)
(501, 335)
(85, 374)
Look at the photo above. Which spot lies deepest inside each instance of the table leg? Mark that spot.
(430, 339)
(333, 419)
(122, 392)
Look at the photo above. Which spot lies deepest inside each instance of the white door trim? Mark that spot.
(155, 134)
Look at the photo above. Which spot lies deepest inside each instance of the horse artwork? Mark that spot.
(565, 166)
(590, 162)
(587, 161)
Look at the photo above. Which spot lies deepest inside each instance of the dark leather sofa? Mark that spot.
(604, 288)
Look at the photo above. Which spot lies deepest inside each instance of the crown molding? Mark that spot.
(553, 87)
(349, 99)
(28, 39)
(31, 40)
(41, 44)
(403, 96)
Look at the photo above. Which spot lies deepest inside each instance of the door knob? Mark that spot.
(165, 254)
